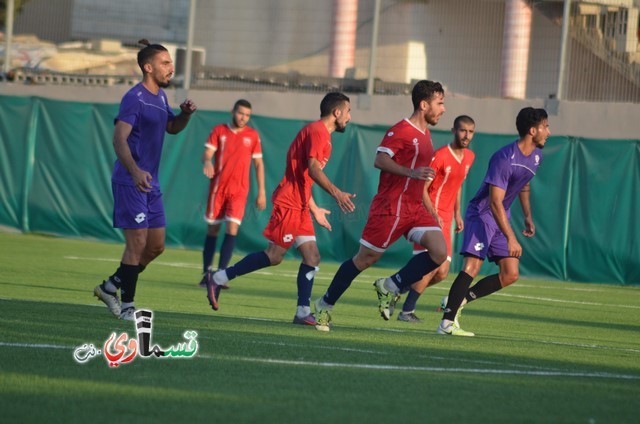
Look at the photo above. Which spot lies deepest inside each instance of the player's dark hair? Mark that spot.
(463, 119)
(424, 90)
(242, 103)
(528, 118)
(331, 102)
(147, 53)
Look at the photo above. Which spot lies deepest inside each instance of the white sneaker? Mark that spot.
(384, 298)
(128, 314)
(453, 330)
(109, 299)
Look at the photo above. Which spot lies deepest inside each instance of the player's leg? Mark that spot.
(228, 243)
(509, 273)
(135, 243)
(214, 216)
(309, 266)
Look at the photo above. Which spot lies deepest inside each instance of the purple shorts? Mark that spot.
(135, 209)
(483, 239)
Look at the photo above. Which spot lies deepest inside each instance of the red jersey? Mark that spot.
(450, 174)
(411, 148)
(233, 154)
(294, 190)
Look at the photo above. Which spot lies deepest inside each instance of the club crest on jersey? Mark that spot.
(447, 170)
(223, 138)
(415, 141)
(246, 141)
(537, 159)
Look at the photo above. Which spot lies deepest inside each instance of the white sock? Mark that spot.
(109, 286)
(126, 305)
(446, 323)
(220, 277)
(324, 305)
(391, 286)
(303, 311)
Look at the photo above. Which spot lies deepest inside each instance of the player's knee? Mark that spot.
(509, 277)
(363, 262)
(440, 274)
(438, 256)
(156, 250)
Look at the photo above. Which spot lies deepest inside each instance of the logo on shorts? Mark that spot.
(140, 217)
(287, 238)
(478, 246)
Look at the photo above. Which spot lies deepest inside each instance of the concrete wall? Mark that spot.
(497, 116)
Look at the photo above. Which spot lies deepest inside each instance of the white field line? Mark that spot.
(319, 277)
(384, 367)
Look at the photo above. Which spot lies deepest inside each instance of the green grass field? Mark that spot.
(544, 351)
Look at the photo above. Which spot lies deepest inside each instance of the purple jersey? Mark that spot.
(148, 114)
(509, 170)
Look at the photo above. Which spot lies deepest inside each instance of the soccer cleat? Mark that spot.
(213, 291)
(392, 304)
(109, 299)
(384, 298)
(323, 320)
(128, 314)
(452, 330)
(308, 320)
(409, 317)
(456, 321)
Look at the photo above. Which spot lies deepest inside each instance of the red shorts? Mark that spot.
(287, 227)
(381, 231)
(225, 207)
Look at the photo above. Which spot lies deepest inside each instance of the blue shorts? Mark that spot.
(135, 209)
(483, 239)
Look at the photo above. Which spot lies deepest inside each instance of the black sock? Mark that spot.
(417, 267)
(226, 250)
(484, 287)
(341, 281)
(116, 278)
(141, 268)
(208, 252)
(129, 275)
(457, 292)
(410, 301)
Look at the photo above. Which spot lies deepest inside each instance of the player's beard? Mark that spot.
(341, 128)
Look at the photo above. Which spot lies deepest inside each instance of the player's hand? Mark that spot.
(515, 250)
(188, 107)
(142, 180)
(344, 201)
(261, 201)
(529, 228)
(459, 225)
(424, 173)
(320, 215)
(208, 169)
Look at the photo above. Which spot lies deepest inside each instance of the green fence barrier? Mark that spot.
(56, 159)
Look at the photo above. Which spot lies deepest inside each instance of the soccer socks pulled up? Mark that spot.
(486, 286)
(457, 293)
(129, 279)
(208, 252)
(411, 300)
(306, 273)
(226, 250)
(417, 267)
(341, 281)
(251, 262)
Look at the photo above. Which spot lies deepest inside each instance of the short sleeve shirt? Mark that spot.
(510, 170)
(410, 147)
(450, 174)
(294, 190)
(232, 157)
(148, 114)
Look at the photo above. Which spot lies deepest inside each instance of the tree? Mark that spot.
(17, 8)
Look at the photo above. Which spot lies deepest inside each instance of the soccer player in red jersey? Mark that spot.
(232, 146)
(397, 209)
(451, 164)
(290, 223)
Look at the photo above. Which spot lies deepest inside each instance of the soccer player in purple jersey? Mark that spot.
(138, 137)
(488, 231)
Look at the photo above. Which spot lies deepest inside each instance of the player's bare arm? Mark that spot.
(525, 203)
(496, 197)
(319, 214)
(342, 198)
(428, 204)
(261, 198)
(141, 178)
(187, 108)
(456, 212)
(207, 165)
(385, 163)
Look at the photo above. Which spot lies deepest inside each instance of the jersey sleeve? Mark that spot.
(170, 115)
(256, 152)
(391, 144)
(129, 109)
(212, 140)
(316, 144)
(499, 171)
